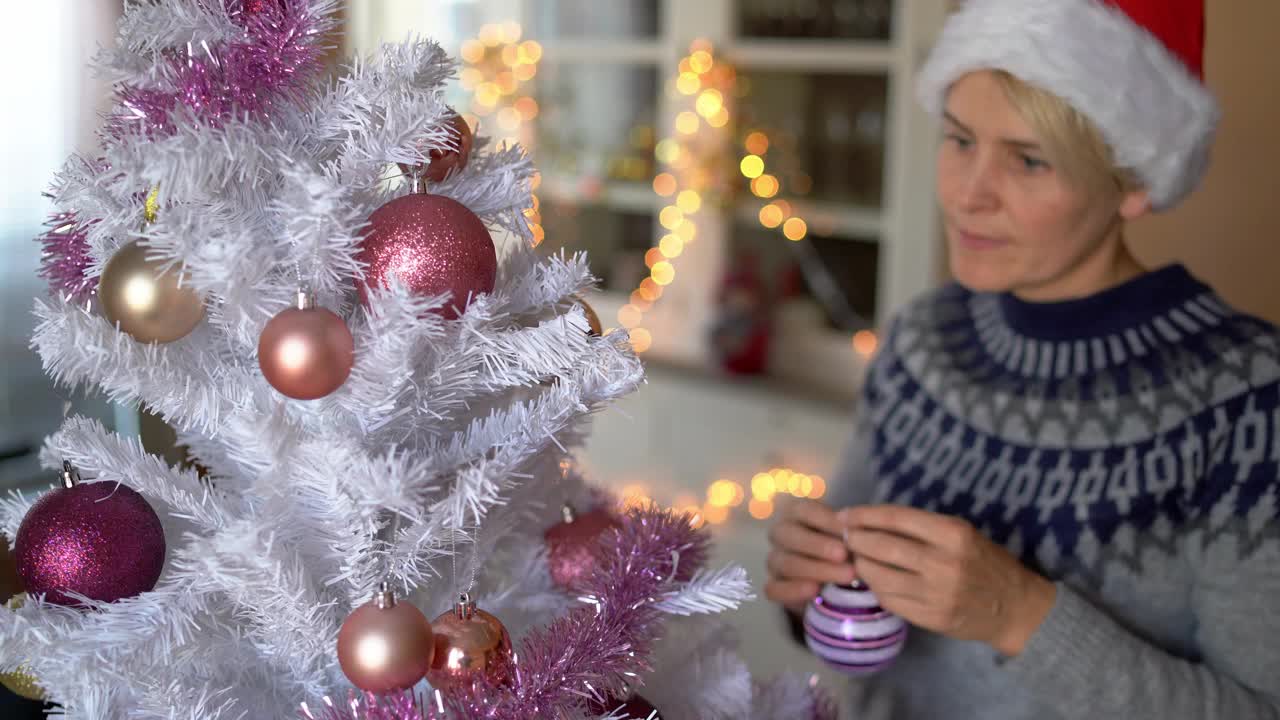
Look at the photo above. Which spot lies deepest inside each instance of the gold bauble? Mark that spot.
(593, 320)
(21, 682)
(145, 299)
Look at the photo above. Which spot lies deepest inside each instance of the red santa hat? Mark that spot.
(1134, 67)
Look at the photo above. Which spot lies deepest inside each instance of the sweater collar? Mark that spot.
(1115, 309)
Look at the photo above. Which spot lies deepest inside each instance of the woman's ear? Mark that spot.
(1135, 204)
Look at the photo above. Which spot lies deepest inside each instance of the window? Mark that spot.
(827, 82)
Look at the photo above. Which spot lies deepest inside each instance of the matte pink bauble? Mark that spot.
(433, 245)
(101, 540)
(385, 645)
(306, 352)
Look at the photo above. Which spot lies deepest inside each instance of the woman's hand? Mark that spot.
(806, 550)
(940, 573)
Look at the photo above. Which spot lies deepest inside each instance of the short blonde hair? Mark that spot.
(1072, 142)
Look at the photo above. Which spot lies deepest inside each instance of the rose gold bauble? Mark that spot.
(385, 645)
(573, 545)
(593, 320)
(433, 245)
(146, 300)
(306, 352)
(470, 643)
(441, 162)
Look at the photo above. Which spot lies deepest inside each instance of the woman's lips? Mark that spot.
(974, 241)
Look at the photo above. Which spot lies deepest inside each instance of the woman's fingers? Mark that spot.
(789, 566)
(800, 540)
(791, 594)
(816, 515)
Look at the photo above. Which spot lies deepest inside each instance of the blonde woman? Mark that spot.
(1066, 476)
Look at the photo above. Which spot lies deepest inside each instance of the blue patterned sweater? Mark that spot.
(1125, 445)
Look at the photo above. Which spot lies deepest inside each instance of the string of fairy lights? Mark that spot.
(688, 177)
(777, 213)
(498, 64)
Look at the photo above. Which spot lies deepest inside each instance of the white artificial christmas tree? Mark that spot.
(241, 175)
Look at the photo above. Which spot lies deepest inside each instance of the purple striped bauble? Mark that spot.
(846, 627)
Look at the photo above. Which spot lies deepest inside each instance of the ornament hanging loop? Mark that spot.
(465, 608)
(69, 476)
(417, 182)
(306, 300)
(386, 597)
(568, 513)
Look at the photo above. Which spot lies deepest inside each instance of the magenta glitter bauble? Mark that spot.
(635, 708)
(573, 546)
(101, 540)
(433, 245)
(846, 627)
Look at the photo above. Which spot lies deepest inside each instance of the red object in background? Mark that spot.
(741, 334)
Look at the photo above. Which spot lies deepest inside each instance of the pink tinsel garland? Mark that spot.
(280, 51)
(596, 651)
(64, 259)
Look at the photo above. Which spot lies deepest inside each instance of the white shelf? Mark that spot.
(824, 217)
(616, 194)
(806, 357)
(813, 55)
(600, 50)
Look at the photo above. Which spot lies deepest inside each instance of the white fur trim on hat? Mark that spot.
(1158, 118)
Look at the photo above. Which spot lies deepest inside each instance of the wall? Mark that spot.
(1228, 233)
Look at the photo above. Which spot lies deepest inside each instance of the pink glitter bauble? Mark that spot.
(433, 245)
(573, 545)
(101, 540)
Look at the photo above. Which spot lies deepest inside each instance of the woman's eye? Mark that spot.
(1032, 163)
